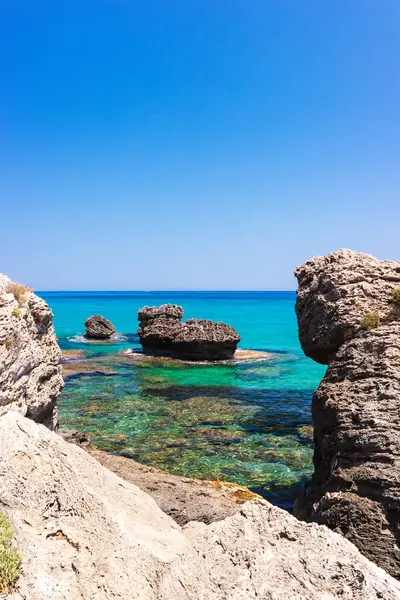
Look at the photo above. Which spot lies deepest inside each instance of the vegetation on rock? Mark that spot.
(10, 560)
(19, 291)
(371, 320)
(16, 312)
(395, 299)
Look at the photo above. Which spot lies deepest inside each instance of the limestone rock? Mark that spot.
(99, 328)
(355, 488)
(30, 376)
(85, 534)
(162, 333)
(264, 553)
(182, 498)
(335, 292)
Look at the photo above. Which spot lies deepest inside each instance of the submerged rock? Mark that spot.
(99, 328)
(83, 532)
(355, 488)
(162, 333)
(30, 374)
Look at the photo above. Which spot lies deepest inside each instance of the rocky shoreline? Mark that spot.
(96, 526)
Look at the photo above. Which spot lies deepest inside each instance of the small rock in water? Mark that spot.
(99, 328)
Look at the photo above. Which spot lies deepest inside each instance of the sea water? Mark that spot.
(246, 422)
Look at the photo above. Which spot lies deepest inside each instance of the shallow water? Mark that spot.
(245, 422)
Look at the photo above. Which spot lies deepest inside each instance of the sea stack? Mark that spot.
(99, 328)
(162, 333)
(348, 311)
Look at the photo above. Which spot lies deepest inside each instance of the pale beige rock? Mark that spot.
(265, 553)
(82, 531)
(85, 534)
(30, 376)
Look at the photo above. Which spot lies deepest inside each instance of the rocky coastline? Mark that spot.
(95, 526)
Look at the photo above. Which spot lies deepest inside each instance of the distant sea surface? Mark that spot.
(245, 422)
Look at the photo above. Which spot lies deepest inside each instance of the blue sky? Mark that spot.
(195, 145)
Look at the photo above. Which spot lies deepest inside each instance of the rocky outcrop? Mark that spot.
(99, 328)
(84, 533)
(30, 376)
(355, 489)
(162, 333)
(181, 498)
(336, 292)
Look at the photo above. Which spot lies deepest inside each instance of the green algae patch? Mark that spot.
(10, 560)
(306, 432)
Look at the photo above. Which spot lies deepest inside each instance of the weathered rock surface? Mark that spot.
(162, 333)
(335, 292)
(30, 376)
(355, 488)
(181, 498)
(99, 328)
(86, 534)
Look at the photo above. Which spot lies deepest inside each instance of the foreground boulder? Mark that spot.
(30, 375)
(99, 328)
(355, 489)
(86, 534)
(162, 333)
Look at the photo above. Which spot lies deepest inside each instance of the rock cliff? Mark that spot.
(30, 376)
(162, 333)
(86, 534)
(355, 489)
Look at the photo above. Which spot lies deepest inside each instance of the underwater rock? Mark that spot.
(83, 532)
(89, 367)
(356, 409)
(162, 333)
(30, 374)
(71, 355)
(99, 328)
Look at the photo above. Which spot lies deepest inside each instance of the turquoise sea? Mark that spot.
(245, 422)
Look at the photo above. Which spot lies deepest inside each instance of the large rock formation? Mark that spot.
(355, 488)
(162, 333)
(30, 376)
(99, 328)
(86, 534)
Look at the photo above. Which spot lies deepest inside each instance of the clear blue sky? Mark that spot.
(195, 145)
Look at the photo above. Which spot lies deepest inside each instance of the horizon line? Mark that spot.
(93, 291)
